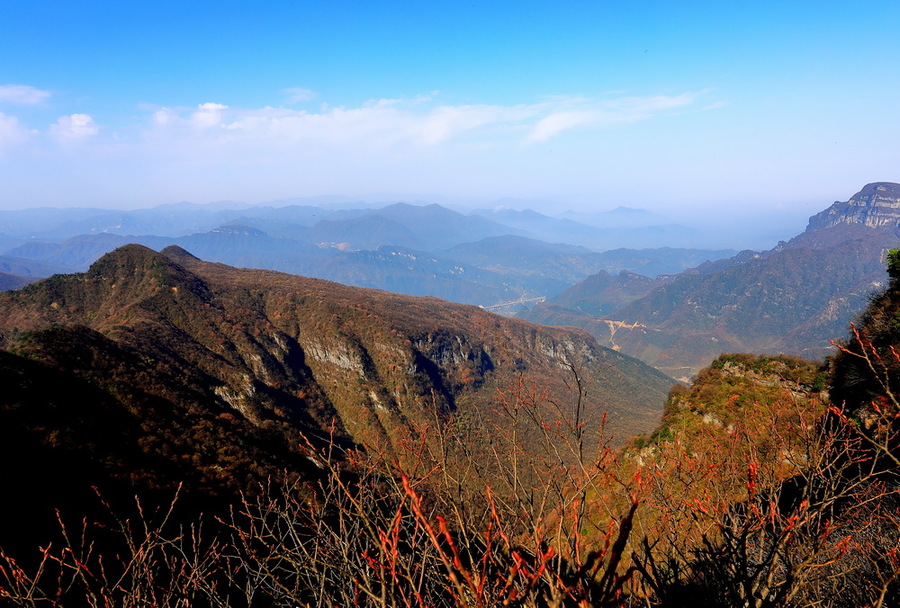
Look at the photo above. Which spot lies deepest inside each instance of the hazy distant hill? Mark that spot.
(425, 228)
(620, 217)
(75, 252)
(516, 255)
(658, 261)
(633, 228)
(420, 273)
(539, 226)
(8, 242)
(418, 250)
(33, 269)
(792, 299)
(602, 293)
(13, 281)
(523, 257)
(58, 224)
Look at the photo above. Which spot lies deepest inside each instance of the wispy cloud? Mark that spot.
(448, 122)
(554, 124)
(414, 122)
(582, 113)
(299, 94)
(21, 94)
(213, 150)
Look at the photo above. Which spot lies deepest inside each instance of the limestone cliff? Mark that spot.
(876, 205)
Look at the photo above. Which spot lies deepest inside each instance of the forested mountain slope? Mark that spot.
(210, 374)
(792, 299)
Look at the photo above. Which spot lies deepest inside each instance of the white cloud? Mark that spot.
(299, 94)
(11, 132)
(74, 127)
(22, 94)
(207, 115)
(377, 123)
(631, 109)
(556, 123)
(381, 123)
(590, 113)
(447, 122)
(211, 150)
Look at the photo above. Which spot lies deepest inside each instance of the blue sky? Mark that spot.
(663, 105)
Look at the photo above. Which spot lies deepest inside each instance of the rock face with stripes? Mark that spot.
(876, 205)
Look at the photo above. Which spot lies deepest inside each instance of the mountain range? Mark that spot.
(155, 368)
(675, 308)
(791, 299)
(332, 431)
(491, 259)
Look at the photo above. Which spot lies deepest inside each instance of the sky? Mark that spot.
(673, 106)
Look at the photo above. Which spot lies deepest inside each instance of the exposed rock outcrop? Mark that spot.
(876, 205)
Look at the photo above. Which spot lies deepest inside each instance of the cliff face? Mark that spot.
(875, 206)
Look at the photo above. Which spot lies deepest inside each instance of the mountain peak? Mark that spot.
(142, 271)
(178, 254)
(130, 256)
(876, 205)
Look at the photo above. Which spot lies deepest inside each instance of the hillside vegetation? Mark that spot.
(793, 299)
(756, 489)
(156, 369)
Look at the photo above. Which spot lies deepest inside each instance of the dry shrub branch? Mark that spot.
(780, 507)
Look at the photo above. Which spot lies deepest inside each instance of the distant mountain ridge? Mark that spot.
(12, 281)
(413, 249)
(792, 299)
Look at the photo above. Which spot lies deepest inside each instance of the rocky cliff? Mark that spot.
(876, 205)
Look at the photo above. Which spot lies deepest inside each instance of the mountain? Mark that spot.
(658, 261)
(602, 293)
(422, 227)
(368, 232)
(77, 252)
(166, 220)
(420, 273)
(32, 269)
(622, 227)
(543, 227)
(523, 256)
(153, 368)
(620, 217)
(8, 242)
(412, 249)
(877, 205)
(12, 281)
(519, 256)
(792, 299)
